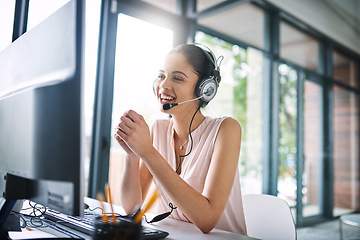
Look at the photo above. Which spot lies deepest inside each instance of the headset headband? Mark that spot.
(208, 53)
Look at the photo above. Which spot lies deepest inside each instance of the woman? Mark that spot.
(197, 172)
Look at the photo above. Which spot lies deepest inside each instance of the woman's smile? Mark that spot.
(166, 98)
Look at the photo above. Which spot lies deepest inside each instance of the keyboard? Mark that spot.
(86, 224)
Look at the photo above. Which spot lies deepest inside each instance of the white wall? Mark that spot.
(337, 19)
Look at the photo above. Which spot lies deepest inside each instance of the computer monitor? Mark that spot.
(41, 114)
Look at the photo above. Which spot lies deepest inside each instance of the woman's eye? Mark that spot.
(177, 79)
(160, 77)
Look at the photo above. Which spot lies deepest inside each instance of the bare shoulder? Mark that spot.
(230, 126)
(229, 132)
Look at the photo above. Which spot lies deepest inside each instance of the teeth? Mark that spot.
(166, 97)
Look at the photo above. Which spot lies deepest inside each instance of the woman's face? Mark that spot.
(176, 83)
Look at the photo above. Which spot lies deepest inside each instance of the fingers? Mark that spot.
(119, 139)
(134, 116)
(128, 122)
(122, 129)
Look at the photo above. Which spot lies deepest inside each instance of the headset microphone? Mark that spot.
(209, 91)
(167, 106)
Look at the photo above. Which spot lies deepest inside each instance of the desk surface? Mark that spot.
(176, 229)
(183, 230)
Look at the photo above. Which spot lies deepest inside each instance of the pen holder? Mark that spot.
(123, 229)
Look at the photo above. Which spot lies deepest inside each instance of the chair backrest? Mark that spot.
(268, 217)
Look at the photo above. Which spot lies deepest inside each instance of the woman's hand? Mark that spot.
(133, 133)
(123, 145)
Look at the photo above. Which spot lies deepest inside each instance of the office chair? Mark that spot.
(268, 217)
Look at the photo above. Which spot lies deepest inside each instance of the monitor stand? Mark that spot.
(5, 211)
(12, 188)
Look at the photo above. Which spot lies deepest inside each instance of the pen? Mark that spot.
(108, 196)
(141, 213)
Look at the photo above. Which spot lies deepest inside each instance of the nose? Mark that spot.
(164, 84)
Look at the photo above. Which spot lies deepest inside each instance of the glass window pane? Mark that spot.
(7, 11)
(312, 166)
(287, 139)
(240, 96)
(345, 69)
(298, 47)
(346, 151)
(244, 23)
(137, 62)
(41, 9)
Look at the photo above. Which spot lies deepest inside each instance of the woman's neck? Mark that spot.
(181, 124)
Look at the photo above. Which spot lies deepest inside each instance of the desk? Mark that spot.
(176, 229)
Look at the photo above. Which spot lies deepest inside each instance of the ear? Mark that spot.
(219, 79)
(219, 76)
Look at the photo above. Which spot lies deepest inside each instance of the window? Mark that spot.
(346, 151)
(312, 142)
(287, 128)
(240, 96)
(7, 9)
(248, 19)
(345, 69)
(298, 47)
(138, 59)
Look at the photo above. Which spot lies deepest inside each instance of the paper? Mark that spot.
(30, 234)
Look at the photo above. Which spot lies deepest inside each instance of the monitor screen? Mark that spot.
(41, 113)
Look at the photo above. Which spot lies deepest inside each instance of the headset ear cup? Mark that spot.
(207, 88)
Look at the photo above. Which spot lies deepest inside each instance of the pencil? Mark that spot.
(101, 198)
(141, 213)
(108, 196)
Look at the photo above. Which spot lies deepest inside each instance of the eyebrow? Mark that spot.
(179, 72)
(175, 72)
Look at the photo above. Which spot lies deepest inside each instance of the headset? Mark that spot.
(206, 88)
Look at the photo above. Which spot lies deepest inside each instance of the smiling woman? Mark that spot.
(191, 158)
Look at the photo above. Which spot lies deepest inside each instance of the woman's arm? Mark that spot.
(136, 178)
(202, 209)
(135, 183)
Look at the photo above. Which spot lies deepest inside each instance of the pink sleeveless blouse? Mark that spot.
(195, 168)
